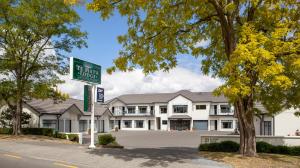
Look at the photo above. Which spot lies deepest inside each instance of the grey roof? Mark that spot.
(48, 106)
(166, 97)
(180, 117)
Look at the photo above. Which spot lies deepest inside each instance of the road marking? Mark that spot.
(64, 165)
(13, 156)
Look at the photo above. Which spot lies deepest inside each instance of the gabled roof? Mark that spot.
(49, 106)
(149, 98)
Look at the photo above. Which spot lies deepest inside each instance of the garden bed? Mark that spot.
(262, 160)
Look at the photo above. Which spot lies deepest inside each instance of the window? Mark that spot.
(200, 107)
(127, 123)
(139, 123)
(180, 108)
(225, 108)
(164, 122)
(143, 109)
(163, 109)
(49, 124)
(131, 109)
(83, 125)
(227, 124)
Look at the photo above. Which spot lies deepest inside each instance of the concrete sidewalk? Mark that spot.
(81, 156)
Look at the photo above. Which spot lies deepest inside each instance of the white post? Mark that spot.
(92, 145)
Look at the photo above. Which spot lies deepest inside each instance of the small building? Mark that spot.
(66, 116)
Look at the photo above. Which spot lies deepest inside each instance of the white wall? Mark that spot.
(162, 116)
(132, 119)
(286, 123)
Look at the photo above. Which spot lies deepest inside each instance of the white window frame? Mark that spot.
(229, 121)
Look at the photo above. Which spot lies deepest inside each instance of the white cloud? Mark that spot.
(202, 43)
(136, 82)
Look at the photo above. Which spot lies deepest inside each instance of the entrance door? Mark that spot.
(158, 123)
(180, 125)
(149, 124)
(213, 125)
(200, 125)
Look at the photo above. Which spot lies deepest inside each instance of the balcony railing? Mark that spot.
(134, 113)
(220, 112)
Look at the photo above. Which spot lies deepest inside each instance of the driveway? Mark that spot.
(161, 139)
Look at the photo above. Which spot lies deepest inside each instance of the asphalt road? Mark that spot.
(9, 160)
(142, 149)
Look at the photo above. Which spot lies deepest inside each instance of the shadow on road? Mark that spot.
(154, 156)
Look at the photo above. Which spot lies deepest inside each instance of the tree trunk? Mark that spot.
(17, 117)
(244, 112)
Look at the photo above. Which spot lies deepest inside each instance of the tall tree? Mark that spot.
(34, 36)
(253, 45)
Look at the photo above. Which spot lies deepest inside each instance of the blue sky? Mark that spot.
(102, 40)
(103, 48)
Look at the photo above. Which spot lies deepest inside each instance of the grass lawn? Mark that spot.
(4, 137)
(261, 161)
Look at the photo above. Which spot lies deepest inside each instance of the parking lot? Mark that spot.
(160, 139)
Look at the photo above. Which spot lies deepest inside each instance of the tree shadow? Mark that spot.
(162, 157)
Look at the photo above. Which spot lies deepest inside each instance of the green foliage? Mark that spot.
(6, 117)
(261, 147)
(61, 136)
(38, 131)
(253, 46)
(5, 131)
(34, 37)
(73, 137)
(225, 146)
(106, 139)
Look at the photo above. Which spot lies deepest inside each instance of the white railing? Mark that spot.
(135, 113)
(213, 111)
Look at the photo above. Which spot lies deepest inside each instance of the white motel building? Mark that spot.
(180, 111)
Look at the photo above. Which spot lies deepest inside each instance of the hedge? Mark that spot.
(73, 137)
(5, 131)
(261, 147)
(38, 131)
(106, 139)
(225, 146)
(30, 131)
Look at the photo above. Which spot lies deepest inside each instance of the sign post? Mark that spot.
(91, 74)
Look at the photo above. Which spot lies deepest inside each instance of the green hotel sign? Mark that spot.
(85, 71)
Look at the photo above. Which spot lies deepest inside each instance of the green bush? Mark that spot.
(228, 146)
(106, 139)
(263, 147)
(61, 136)
(73, 137)
(38, 131)
(281, 150)
(225, 146)
(295, 150)
(5, 131)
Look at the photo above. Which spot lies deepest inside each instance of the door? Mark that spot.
(200, 125)
(213, 125)
(180, 125)
(158, 123)
(149, 124)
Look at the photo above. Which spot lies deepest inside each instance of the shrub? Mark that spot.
(5, 131)
(228, 146)
(38, 131)
(73, 137)
(263, 147)
(61, 136)
(225, 146)
(295, 150)
(281, 150)
(106, 139)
